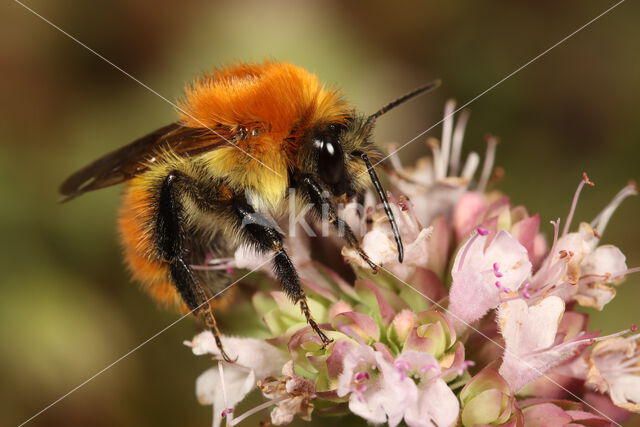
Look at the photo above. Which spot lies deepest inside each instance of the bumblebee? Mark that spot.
(246, 135)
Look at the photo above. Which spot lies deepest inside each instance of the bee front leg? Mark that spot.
(266, 237)
(170, 238)
(323, 204)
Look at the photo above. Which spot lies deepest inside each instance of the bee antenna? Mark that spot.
(385, 204)
(404, 98)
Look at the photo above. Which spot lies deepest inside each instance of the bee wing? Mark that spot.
(134, 158)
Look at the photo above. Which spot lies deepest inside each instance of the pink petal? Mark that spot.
(529, 334)
(467, 214)
(339, 307)
(545, 414)
(438, 246)
(338, 351)
(357, 325)
(526, 232)
(429, 285)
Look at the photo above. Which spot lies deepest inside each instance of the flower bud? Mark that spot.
(486, 399)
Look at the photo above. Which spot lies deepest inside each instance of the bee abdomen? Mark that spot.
(140, 251)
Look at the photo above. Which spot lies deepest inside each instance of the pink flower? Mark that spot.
(614, 368)
(576, 268)
(435, 403)
(377, 391)
(292, 395)
(410, 388)
(380, 245)
(532, 343)
(485, 272)
(598, 269)
(226, 385)
(435, 184)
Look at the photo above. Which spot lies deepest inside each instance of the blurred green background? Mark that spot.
(67, 306)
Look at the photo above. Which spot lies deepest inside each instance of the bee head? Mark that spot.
(340, 154)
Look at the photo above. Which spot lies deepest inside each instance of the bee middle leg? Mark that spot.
(265, 235)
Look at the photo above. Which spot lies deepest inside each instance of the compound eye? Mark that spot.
(330, 159)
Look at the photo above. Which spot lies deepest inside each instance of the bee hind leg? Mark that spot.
(266, 237)
(170, 238)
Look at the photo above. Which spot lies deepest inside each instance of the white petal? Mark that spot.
(527, 330)
(437, 405)
(625, 391)
(379, 246)
(263, 358)
(606, 259)
(238, 383)
(369, 406)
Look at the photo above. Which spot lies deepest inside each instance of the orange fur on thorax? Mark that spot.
(275, 96)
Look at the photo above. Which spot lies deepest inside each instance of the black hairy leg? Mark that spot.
(170, 238)
(323, 205)
(266, 238)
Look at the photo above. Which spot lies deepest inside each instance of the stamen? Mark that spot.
(401, 364)
(402, 367)
(456, 369)
(437, 156)
(544, 270)
(361, 376)
(574, 202)
(394, 158)
(556, 231)
(496, 270)
(489, 159)
(631, 370)
(630, 362)
(600, 221)
(456, 147)
(629, 338)
(228, 411)
(507, 296)
(257, 409)
(480, 232)
(626, 272)
(525, 291)
(470, 166)
(447, 130)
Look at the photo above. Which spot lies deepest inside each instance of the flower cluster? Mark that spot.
(478, 325)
